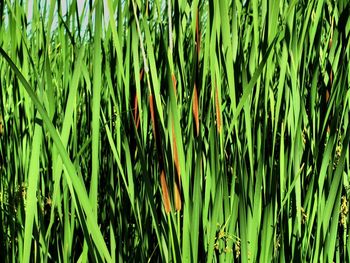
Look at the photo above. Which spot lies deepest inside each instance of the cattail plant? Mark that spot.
(174, 131)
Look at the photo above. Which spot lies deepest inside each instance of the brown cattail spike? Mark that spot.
(195, 108)
(141, 74)
(174, 84)
(136, 113)
(165, 192)
(177, 197)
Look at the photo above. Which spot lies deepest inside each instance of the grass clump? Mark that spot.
(174, 131)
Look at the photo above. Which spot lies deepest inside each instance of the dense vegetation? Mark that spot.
(174, 131)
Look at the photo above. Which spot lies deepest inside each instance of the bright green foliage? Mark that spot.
(242, 106)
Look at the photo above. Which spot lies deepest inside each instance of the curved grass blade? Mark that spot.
(75, 184)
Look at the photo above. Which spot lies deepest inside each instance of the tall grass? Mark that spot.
(174, 131)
